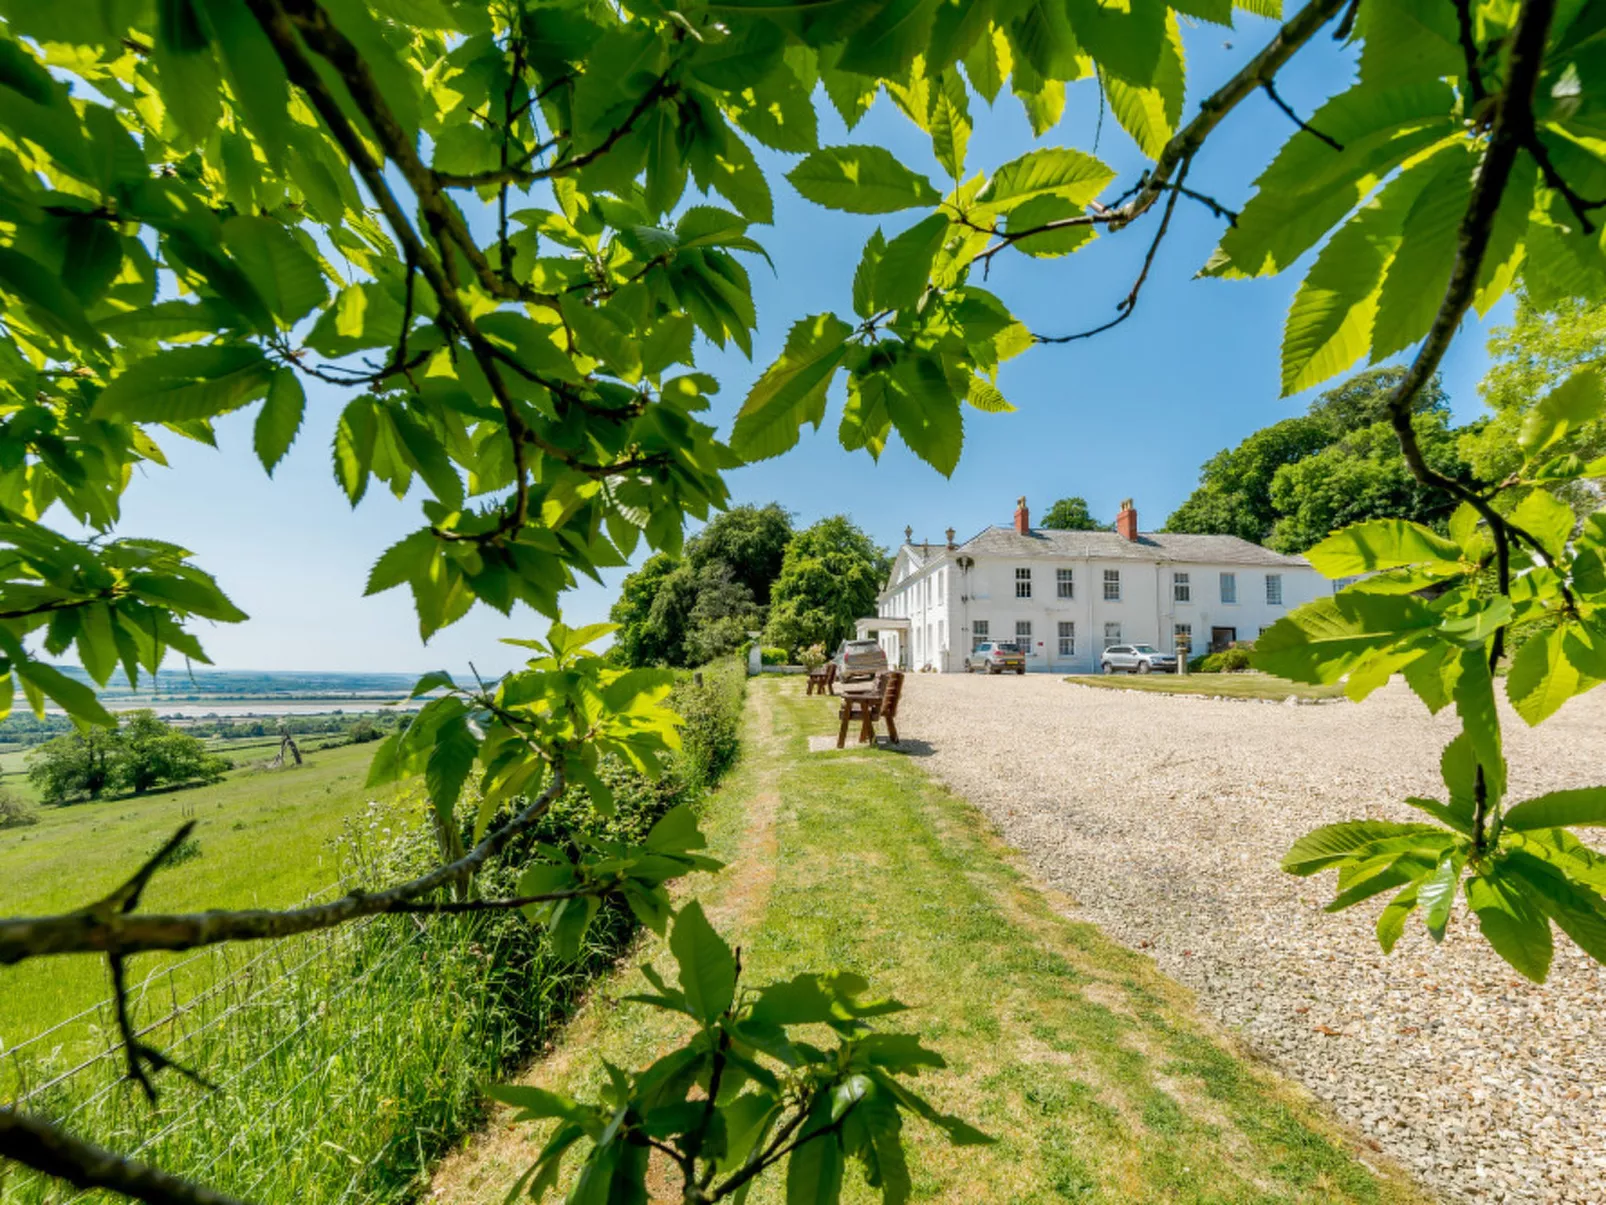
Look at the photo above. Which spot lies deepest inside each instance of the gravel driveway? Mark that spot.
(1165, 818)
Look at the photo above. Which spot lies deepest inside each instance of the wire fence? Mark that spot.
(340, 1063)
(279, 1031)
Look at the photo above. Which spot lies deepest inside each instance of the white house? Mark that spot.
(1065, 596)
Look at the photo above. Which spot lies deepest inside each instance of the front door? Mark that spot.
(1220, 638)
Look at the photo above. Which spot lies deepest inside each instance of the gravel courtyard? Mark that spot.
(1165, 819)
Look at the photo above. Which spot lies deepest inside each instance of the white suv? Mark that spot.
(1137, 659)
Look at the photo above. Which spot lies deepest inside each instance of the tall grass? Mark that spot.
(345, 1063)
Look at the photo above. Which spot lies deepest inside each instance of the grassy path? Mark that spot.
(1092, 1069)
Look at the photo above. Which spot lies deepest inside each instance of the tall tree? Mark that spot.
(1071, 514)
(151, 753)
(1236, 494)
(749, 541)
(831, 577)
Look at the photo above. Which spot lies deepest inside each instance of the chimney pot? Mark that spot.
(1023, 517)
(1126, 521)
(908, 535)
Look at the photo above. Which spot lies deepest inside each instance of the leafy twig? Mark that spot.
(1271, 91)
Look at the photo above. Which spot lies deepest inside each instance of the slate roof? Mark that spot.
(1150, 547)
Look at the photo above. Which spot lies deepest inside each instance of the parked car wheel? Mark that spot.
(1107, 668)
(1145, 668)
(1021, 670)
(993, 669)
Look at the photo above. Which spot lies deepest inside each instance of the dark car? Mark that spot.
(995, 656)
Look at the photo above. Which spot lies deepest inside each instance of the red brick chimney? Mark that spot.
(1126, 522)
(1023, 518)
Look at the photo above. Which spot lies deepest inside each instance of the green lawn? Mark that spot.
(1232, 686)
(1092, 1069)
(265, 840)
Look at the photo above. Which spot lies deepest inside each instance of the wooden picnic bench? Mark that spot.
(878, 702)
(821, 678)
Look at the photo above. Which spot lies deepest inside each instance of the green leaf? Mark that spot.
(1379, 544)
(1322, 640)
(1559, 809)
(814, 1171)
(187, 70)
(280, 418)
(1056, 171)
(256, 77)
(47, 300)
(950, 123)
(1417, 276)
(1334, 843)
(792, 390)
(707, 966)
(1391, 922)
(926, 413)
(1547, 519)
(450, 762)
(1480, 719)
(1579, 910)
(535, 1104)
(1512, 923)
(1542, 677)
(287, 279)
(185, 383)
(987, 63)
(194, 594)
(1151, 111)
(354, 448)
(861, 179)
(76, 699)
(1436, 893)
(864, 276)
(1309, 186)
(905, 265)
(1330, 324)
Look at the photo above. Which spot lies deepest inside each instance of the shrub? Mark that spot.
(713, 713)
(812, 657)
(15, 811)
(777, 656)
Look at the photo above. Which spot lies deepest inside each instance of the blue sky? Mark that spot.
(1131, 413)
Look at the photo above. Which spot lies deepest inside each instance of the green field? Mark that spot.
(266, 840)
(1231, 686)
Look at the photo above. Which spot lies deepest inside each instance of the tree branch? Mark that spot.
(106, 928)
(1129, 303)
(1270, 89)
(35, 1143)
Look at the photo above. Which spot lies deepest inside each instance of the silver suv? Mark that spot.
(1137, 659)
(860, 659)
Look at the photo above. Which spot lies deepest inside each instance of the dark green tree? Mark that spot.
(639, 641)
(831, 577)
(78, 765)
(151, 753)
(1360, 477)
(1071, 514)
(750, 541)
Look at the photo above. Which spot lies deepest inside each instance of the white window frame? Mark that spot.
(1067, 637)
(1181, 588)
(1112, 627)
(1274, 589)
(1023, 636)
(1112, 578)
(1065, 583)
(980, 630)
(1023, 581)
(1229, 589)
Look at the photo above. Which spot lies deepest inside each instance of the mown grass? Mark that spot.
(266, 840)
(1231, 686)
(1092, 1070)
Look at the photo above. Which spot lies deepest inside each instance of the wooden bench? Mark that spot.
(821, 678)
(869, 706)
